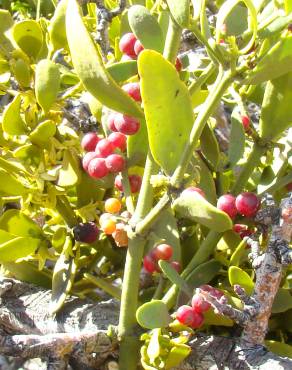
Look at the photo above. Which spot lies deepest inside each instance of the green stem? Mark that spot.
(104, 285)
(197, 84)
(127, 192)
(252, 162)
(38, 10)
(202, 255)
(279, 184)
(65, 210)
(172, 41)
(222, 82)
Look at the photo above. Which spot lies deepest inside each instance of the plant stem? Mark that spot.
(279, 184)
(104, 285)
(65, 210)
(251, 163)
(197, 84)
(172, 41)
(127, 192)
(222, 82)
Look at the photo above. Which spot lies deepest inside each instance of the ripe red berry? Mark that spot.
(178, 65)
(138, 47)
(247, 204)
(133, 89)
(289, 186)
(126, 125)
(187, 316)
(104, 147)
(86, 233)
(193, 189)
(226, 203)
(245, 122)
(242, 230)
(111, 122)
(176, 265)
(118, 183)
(135, 183)
(148, 264)
(115, 163)
(127, 43)
(97, 168)
(118, 140)
(162, 252)
(87, 158)
(89, 141)
(199, 304)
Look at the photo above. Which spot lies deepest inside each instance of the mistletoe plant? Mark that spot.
(129, 152)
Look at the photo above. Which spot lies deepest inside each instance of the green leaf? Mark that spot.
(209, 146)
(153, 349)
(167, 108)
(281, 349)
(9, 185)
(6, 22)
(16, 247)
(204, 273)
(206, 182)
(193, 206)
(122, 71)
(176, 355)
(174, 276)
(211, 318)
(276, 115)
(237, 276)
(238, 254)
(282, 301)
(63, 277)
(236, 22)
(57, 27)
(288, 9)
(28, 153)
(41, 135)
(29, 37)
(237, 138)
(137, 145)
(180, 10)
(90, 69)
(70, 172)
(47, 83)
(153, 315)
(17, 223)
(281, 54)
(21, 72)
(88, 190)
(12, 122)
(146, 28)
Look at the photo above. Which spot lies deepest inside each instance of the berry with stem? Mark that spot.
(126, 125)
(89, 141)
(112, 205)
(127, 43)
(247, 204)
(226, 203)
(97, 168)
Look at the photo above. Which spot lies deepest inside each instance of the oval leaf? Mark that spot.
(168, 109)
(282, 301)
(237, 276)
(122, 71)
(42, 133)
(193, 206)
(57, 27)
(146, 28)
(47, 83)
(180, 10)
(16, 247)
(90, 69)
(12, 122)
(237, 139)
(174, 276)
(153, 315)
(29, 37)
(203, 273)
(70, 173)
(9, 185)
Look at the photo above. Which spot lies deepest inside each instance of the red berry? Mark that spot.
(178, 65)
(138, 47)
(193, 189)
(148, 264)
(126, 125)
(86, 233)
(133, 89)
(118, 140)
(226, 203)
(242, 230)
(89, 141)
(104, 147)
(199, 304)
(111, 122)
(118, 183)
(245, 122)
(247, 204)
(127, 43)
(176, 265)
(162, 252)
(97, 168)
(289, 186)
(187, 316)
(87, 158)
(135, 183)
(115, 163)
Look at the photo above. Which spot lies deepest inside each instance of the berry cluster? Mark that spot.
(192, 316)
(246, 204)
(160, 252)
(109, 224)
(131, 47)
(86, 232)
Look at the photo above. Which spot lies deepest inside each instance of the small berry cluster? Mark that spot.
(192, 316)
(160, 252)
(131, 47)
(86, 232)
(109, 224)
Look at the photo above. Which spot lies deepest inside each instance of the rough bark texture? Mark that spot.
(78, 335)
